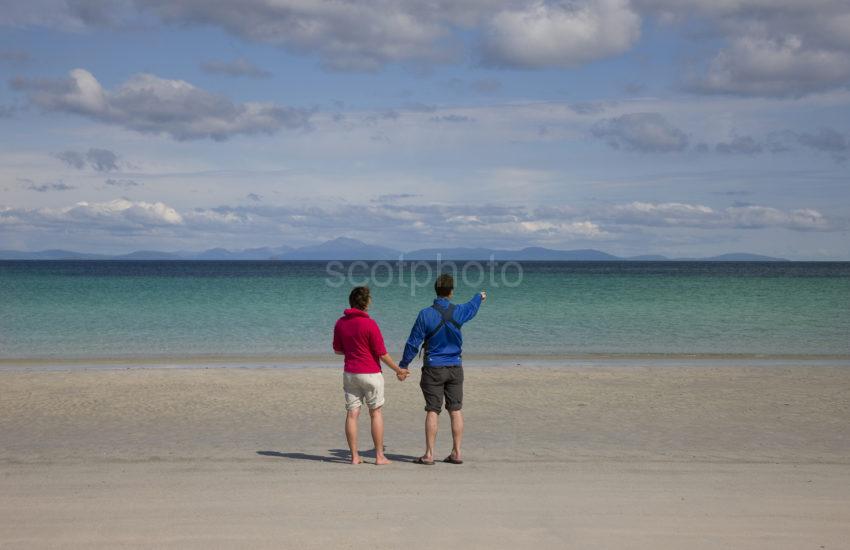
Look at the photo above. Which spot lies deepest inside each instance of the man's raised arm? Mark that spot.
(465, 312)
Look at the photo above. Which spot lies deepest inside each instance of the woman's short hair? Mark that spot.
(359, 297)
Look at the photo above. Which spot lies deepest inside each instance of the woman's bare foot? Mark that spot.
(356, 459)
(381, 460)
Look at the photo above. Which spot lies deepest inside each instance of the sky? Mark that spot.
(677, 127)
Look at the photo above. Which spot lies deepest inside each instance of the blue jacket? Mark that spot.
(444, 348)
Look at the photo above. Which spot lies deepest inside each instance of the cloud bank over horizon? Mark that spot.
(488, 225)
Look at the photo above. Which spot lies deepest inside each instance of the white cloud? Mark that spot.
(484, 225)
(783, 66)
(774, 48)
(346, 35)
(559, 34)
(118, 214)
(120, 211)
(149, 104)
(368, 34)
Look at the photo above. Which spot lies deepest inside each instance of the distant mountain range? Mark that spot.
(351, 249)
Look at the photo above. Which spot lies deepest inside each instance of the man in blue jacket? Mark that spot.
(438, 329)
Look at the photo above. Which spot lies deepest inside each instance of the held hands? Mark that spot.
(400, 373)
(483, 296)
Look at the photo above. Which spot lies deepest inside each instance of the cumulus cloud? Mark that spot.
(149, 104)
(119, 214)
(345, 35)
(369, 34)
(777, 48)
(559, 34)
(123, 211)
(102, 160)
(780, 67)
(237, 67)
(768, 47)
(643, 132)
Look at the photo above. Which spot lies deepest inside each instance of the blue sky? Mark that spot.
(683, 128)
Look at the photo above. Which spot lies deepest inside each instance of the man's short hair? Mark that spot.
(359, 297)
(444, 285)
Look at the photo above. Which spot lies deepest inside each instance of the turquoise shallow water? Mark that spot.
(90, 310)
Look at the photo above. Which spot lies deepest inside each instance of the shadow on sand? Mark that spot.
(339, 456)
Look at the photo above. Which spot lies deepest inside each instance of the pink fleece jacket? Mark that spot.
(357, 336)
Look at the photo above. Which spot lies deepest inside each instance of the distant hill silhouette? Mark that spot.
(343, 248)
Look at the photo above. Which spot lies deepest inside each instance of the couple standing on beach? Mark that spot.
(437, 328)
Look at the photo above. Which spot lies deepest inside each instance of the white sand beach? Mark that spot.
(571, 457)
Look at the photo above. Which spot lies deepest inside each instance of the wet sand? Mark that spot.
(617, 457)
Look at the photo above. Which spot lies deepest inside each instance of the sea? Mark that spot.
(84, 314)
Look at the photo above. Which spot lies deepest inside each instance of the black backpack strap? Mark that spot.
(447, 317)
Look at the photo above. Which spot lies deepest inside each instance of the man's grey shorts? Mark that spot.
(442, 382)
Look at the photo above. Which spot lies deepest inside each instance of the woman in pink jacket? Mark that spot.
(358, 338)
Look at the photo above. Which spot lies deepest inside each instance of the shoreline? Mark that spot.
(44, 364)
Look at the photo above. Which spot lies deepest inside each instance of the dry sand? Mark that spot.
(598, 457)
